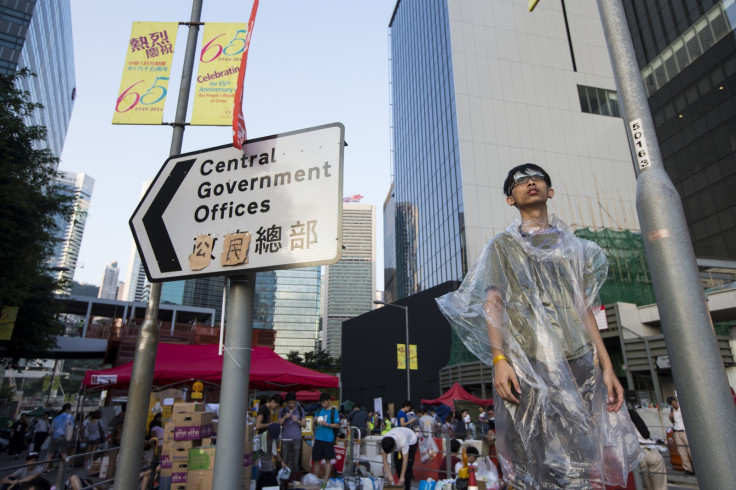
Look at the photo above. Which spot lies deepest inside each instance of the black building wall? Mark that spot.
(369, 368)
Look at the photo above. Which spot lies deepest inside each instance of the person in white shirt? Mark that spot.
(653, 469)
(683, 447)
(404, 442)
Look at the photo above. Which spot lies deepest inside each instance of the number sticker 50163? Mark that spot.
(640, 144)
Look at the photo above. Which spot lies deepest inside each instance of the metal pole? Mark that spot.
(697, 368)
(408, 366)
(654, 375)
(234, 388)
(141, 380)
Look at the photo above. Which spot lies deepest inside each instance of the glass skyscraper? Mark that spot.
(38, 35)
(288, 301)
(205, 292)
(687, 54)
(478, 87)
(351, 282)
(71, 229)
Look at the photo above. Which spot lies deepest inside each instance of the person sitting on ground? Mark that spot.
(22, 475)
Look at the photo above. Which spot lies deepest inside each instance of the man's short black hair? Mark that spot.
(324, 396)
(290, 396)
(454, 446)
(407, 403)
(670, 399)
(470, 450)
(278, 399)
(388, 444)
(508, 184)
(67, 406)
(357, 405)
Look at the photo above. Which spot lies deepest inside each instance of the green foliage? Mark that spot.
(293, 356)
(29, 203)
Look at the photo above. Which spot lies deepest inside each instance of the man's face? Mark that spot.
(531, 189)
(291, 404)
(490, 414)
(325, 403)
(675, 404)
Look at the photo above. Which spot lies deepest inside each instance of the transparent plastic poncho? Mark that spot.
(530, 292)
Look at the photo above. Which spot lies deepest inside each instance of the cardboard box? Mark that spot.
(165, 461)
(207, 441)
(165, 472)
(202, 458)
(179, 471)
(178, 486)
(187, 408)
(191, 426)
(180, 450)
(200, 480)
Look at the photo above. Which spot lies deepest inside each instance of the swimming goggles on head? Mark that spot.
(523, 176)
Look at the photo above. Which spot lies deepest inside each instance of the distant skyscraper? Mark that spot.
(351, 282)
(38, 35)
(288, 301)
(205, 292)
(389, 247)
(109, 286)
(478, 87)
(137, 287)
(121, 291)
(71, 229)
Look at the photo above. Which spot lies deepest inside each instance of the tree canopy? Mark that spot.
(30, 200)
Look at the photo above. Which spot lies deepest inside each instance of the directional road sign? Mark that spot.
(276, 204)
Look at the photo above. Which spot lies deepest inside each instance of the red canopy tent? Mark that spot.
(306, 395)
(175, 363)
(456, 392)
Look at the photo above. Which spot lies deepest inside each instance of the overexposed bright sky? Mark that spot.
(310, 63)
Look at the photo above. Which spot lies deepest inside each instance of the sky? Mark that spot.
(310, 63)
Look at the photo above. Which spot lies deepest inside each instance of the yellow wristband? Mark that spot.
(500, 357)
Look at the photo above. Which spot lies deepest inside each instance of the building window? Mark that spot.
(599, 101)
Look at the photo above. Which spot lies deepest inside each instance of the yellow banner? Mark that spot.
(217, 75)
(401, 357)
(7, 321)
(146, 73)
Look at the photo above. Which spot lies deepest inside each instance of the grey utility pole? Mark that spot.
(234, 387)
(141, 376)
(697, 368)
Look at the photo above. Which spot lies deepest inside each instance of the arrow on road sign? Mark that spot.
(153, 220)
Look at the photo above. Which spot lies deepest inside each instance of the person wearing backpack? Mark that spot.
(326, 423)
(292, 419)
(62, 431)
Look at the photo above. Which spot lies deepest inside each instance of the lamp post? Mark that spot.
(406, 350)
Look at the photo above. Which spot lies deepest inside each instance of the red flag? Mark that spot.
(239, 132)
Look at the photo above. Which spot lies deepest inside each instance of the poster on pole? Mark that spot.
(145, 80)
(217, 76)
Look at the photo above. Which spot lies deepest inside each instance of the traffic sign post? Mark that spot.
(276, 204)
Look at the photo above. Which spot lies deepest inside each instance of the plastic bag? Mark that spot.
(488, 473)
(310, 480)
(427, 449)
(372, 483)
(335, 484)
(353, 483)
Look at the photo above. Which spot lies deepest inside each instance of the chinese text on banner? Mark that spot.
(146, 73)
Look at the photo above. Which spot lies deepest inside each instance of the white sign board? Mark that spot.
(103, 379)
(276, 204)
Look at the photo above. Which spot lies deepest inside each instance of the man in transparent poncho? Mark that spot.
(526, 307)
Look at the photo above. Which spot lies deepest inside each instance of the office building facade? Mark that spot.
(288, 301)
(351, 282)
(38, 35)
(109, 286)
(687, 54)
(478, 87)
(71, 229)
